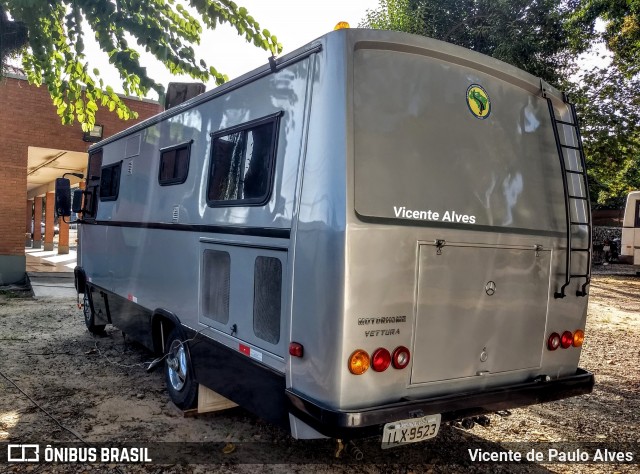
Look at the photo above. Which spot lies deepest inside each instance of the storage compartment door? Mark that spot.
(479, 310)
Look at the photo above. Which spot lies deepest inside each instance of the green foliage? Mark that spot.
(608, 99)
(527, 34)
(621, 32)
(396, 15)
(608, 105)
(55, 55)
(13, 37)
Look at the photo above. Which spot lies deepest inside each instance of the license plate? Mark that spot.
(409, 431)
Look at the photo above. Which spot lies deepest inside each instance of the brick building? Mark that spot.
(34, 149)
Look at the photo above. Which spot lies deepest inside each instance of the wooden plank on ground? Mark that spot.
(208, 400)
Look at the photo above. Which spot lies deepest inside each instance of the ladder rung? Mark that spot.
(579, 276)
(579, 223)
(579, 250)
(570, 147)
(566, 123)
(578, 197)
(575, 172)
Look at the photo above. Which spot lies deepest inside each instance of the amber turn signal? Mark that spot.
(359, 362)
(578, 338)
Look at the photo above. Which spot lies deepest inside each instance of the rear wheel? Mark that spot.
(178, 373)
(90, 316)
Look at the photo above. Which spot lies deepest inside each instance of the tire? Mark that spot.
(90, 316)
(178, 372)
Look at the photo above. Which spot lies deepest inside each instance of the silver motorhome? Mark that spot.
(371, 235)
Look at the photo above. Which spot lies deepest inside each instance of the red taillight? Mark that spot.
(380, 360)
(296, 349)
(401, 357)
(554, 341)
(566, 340)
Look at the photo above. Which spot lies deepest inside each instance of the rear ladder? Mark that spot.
(580, 194)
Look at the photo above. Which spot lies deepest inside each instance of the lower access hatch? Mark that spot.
(480, 310)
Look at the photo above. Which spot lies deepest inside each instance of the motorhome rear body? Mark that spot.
(372, 200)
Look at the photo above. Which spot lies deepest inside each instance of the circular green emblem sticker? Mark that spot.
(478, 101)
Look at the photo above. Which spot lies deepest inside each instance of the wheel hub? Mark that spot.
(177, 365)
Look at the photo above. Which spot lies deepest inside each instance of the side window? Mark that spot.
(110, 182)
(90, 207)
(242, 163)
(637, 214)
(174, 164)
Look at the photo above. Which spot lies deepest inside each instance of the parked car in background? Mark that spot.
(56, 229)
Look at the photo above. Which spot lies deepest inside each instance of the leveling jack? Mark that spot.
(350, 448)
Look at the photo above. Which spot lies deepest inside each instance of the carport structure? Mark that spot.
(44, 165)
(35, 148)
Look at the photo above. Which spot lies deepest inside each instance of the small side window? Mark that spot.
(637, 214)
(174, 164)
(110, 182)
(242, 163)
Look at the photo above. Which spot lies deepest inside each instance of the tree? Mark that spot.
(50, 35)
(13, 36)
(621, 32)
(608, 104)
(527, 34)
(396, 15)
(608, 99)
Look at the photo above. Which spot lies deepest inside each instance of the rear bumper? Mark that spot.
(369, 422)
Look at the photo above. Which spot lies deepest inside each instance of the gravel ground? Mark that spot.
(614, 269)
(97, 390)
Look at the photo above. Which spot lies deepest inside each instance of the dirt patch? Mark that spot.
(97, 389)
